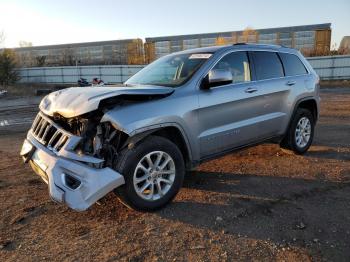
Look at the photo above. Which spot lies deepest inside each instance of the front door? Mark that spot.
(228, 114)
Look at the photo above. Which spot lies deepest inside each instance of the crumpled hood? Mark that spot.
(76, 101)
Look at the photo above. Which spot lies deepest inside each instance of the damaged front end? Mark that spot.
(73, 150)
(76, 160)
(97, 139)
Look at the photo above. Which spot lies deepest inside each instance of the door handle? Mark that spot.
(250, 90)
(290, 83)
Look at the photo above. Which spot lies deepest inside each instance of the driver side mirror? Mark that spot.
(217, 77)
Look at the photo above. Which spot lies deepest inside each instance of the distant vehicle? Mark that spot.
(83, 82)
(97, 82)
(181, 110)
(3, 92)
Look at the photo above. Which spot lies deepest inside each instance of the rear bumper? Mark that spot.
(71, 182)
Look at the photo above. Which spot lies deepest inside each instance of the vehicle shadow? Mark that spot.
(286, 211)
(336, 153)
(332, 134)
(331, 141)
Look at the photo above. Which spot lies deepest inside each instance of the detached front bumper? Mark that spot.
(70, 181)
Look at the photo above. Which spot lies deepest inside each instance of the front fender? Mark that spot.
(131, 126)
(139, 128)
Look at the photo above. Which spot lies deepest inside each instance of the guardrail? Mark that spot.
(327, 67)
(331, 67)
(71, 74)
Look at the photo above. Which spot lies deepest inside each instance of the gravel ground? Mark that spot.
(260, 204)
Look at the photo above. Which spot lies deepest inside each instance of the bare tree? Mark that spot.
(234, 37)
(23, 43)
(220, 41)
(135, 54)
(8, 63)
(333, 50)
(68, 57)
(344, 51)
(40, 60)
(247, 33)
(2, 38)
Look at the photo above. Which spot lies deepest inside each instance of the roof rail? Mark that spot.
(257, 44)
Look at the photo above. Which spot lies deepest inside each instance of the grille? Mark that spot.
(48, 133)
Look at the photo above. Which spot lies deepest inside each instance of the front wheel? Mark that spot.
(153, 171)
(301, 132)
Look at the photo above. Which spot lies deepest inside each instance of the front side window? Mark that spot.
(238, 64)
(267, 65)
(292, 65)
(173, 70)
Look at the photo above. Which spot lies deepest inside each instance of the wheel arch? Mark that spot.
(309, 104)
(171, 131)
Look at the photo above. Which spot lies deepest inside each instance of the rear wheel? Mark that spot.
(153, 170)
(301, 132)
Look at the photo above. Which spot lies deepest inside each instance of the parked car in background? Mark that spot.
(179, 111)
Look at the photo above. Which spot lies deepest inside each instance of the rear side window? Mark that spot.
(292, 65)
(267, 65)
(238, 64)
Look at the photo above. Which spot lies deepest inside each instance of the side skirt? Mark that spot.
(274, 139)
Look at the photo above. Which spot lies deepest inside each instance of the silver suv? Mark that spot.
(183, 109)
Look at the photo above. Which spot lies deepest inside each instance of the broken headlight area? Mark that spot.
(105, 142)
(99, 140)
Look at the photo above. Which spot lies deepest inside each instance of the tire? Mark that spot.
(299, 144)
(133, 164)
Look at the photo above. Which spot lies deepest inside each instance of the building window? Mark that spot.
(304, 39)
(162, 48)
(268, 38)
(285, 39)
(190, 43)
(175, 46)
(208, 42)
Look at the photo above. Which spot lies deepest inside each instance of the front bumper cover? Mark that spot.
(93, 183)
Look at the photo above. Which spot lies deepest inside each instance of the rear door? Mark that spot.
(297, 78)
(274, 91)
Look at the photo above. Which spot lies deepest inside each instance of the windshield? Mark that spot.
(173, 70)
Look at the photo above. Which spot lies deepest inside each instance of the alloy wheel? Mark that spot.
(303, 132)
(154, 175)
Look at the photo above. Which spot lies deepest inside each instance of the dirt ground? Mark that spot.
(260, 204)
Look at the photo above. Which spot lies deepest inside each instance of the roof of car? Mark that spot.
(213, 49)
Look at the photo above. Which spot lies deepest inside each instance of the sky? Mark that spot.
(45, 22)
